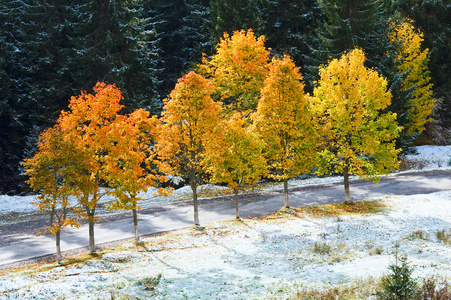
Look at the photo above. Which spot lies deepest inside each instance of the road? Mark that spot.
(19, 243)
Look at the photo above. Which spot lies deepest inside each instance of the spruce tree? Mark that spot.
(288, 27)
(118, 45)
(232, 15)
(35, 75)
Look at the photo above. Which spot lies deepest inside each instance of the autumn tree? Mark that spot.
(238, 69)
(134, 166)
(412, 62)
(50, 172)
(284, 122)
(91, 128)
(355, 138)
(187, 121)
(236, 156)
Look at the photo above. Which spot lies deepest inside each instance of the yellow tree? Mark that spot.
(50, 172)
(356, 138)
(133, 163)
(284, 121)
(238, 69)
(89, 126)
(236, 156)
(411, 61)
(188, 119)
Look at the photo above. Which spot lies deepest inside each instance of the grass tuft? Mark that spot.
(443, 236)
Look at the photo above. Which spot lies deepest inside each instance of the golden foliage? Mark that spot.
(347, 102)
(412, 61)
(238, 69)
(284, 121)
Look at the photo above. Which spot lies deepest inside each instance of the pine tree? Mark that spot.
(351, 24)
(288, 27)
(182, 32)
(118, 45)
(36, 78)
(345, 26)
(196, 32)
(228, 16)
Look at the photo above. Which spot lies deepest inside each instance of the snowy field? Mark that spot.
(254, 259)
(268, 258)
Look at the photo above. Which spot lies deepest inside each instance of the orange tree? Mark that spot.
(133, 167)
(236, 156)
(355, 138)
(49, 173)
(90, 126)
(284, 121)
(187, 122)
(411, 61)
(238, 69)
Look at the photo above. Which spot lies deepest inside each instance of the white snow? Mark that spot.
(434, 157)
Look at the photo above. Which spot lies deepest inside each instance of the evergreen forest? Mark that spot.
(52, 50)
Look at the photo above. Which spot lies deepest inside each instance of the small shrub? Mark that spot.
(412, 164)
(430, 290)
(149, 283)
(321, 248)
(399, 285)
(419, 234)
(443, 236)
(377, 250)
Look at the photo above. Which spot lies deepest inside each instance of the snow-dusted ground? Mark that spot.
(254, 259)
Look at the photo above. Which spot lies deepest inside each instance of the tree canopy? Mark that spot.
(188, 119)
(284, 121)
(355, 138)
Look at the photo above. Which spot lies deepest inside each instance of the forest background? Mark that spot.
(50, 50)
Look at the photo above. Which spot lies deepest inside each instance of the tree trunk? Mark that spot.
(285, 192)
(196, 205)
(92, 245)
(58, 246)
(237, 202)
(346, 180)
(135, 224)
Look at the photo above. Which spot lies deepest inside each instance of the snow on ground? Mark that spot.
(254, 259)
(432, 158)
